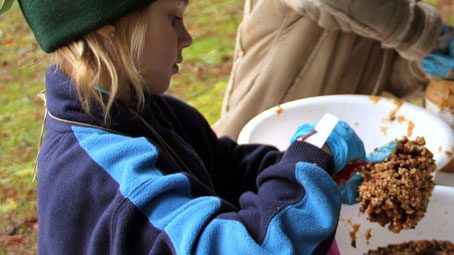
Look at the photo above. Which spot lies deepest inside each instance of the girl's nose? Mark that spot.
(185, 38)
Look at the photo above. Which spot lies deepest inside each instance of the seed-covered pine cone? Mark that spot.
(397, 191)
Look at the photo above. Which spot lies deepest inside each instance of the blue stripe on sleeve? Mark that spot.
(312, 220)
(166, 200)
(223, 236)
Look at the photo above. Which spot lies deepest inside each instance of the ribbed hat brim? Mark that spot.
(58, 22)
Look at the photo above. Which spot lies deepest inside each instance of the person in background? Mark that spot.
(439, 66)
(292, 49)
(126, 169)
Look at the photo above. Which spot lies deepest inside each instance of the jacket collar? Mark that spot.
(62, 102)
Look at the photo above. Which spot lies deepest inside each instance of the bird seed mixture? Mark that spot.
(421, 247)
(397, 191)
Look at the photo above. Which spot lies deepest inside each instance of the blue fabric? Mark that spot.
(127, 160)
(310, 220)
(350, 189)
(382, 153)
(302, 131)
(166, 200)
(324, 201)
(343, 142)
(440, 62)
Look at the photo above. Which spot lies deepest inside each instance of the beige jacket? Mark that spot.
(291, 49)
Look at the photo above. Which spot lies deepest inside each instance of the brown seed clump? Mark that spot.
(397, 191)
(353, 234)
(421, 247)
(368, 235)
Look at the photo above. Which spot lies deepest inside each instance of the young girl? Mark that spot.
(125, 169)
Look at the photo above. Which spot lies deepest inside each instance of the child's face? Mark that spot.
(164, 42)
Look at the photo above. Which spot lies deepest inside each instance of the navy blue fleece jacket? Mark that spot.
(115, 190)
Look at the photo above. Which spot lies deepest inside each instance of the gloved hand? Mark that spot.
(344, 144)
(440, 62)
(350, 188)
(302, 131)
(382, 153)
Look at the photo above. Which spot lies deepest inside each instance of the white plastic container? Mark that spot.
(377, 120)
(438, 224)
(446, 114)
(439, 99)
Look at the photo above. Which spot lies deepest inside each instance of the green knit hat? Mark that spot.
(58, 22)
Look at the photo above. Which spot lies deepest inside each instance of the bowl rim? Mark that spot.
(246, 132)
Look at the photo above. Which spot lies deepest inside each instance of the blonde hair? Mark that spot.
(94, 64)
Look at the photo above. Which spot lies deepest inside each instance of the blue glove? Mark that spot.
(440, 62)
(302, 131)
(344, 144)
(350, 189)
(382, 153)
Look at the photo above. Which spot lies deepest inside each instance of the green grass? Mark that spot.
(201, 83)
(207, 63)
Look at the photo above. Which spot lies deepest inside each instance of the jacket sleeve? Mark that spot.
(409, 26)
(233, 168)
(294, 211)
(407, 79)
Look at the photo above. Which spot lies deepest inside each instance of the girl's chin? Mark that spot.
(157, 89)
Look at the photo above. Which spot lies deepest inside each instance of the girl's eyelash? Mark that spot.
(175, 18)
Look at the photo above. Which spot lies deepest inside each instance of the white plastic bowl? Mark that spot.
(438, 224)
(368, 116)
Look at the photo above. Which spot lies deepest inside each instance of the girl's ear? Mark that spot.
(107, 32)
